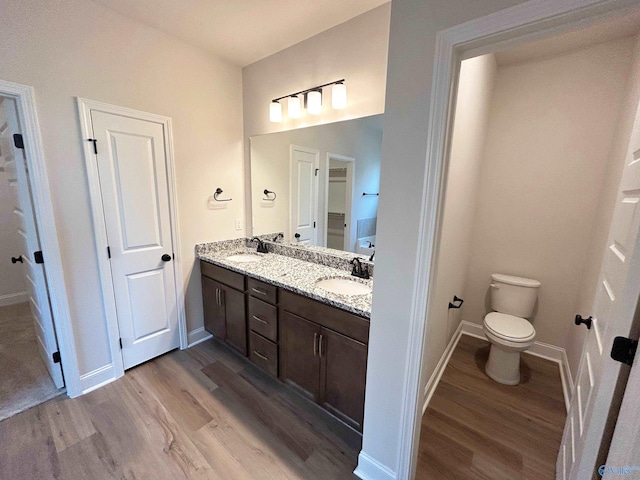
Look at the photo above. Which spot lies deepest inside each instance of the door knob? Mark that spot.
(166, 257)
(16, 260)
(297, 235)
(586, 321)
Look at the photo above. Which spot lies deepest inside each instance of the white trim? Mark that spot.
(539, 349)
(197, 336)
(13, 298)
(350, 237)
(432, 383)
(97, 378)
(43, 210)
(515, 24)
(99, 228)
(370, 469)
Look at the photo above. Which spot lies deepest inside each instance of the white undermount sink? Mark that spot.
(343, 286)
(244, 258)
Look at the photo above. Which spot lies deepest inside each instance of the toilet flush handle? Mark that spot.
(494, 285)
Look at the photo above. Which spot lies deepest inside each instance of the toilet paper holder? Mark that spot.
(455, 300)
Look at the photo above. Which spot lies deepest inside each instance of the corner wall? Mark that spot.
(75, 48)
(475, 89)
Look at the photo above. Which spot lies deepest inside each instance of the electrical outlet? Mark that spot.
(238, 224)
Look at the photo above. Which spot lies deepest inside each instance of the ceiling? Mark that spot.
(242, 31)
(603, 31)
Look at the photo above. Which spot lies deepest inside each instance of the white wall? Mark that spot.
(475, 89)
(12, 283)
(359, 138)
(412, 46)
(551, 128)
(75, 48)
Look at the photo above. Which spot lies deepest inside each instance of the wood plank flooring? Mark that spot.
(476, 428)
(201, 413)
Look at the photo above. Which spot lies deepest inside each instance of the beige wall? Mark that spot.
(475, 88)
(550, 133)
(75, 48)
(606, 204)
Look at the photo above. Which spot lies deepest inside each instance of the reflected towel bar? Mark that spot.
(218, 192)
(367, 194)
(267, 193)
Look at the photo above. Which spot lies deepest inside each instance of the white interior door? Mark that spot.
(132, 165)
(614, 308)
(36, 284)
(304, 194)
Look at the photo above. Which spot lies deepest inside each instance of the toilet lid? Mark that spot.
(508, 326)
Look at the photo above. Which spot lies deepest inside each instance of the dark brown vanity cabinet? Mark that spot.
(321, 363)
(224, 305)
(262, 316)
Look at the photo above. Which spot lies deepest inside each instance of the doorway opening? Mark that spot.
(508, 214)
(339, 198)
(29, 355)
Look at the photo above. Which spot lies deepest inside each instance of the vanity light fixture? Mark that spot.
(339, 96)
(293, 106)
(312, 101)
(275, 112)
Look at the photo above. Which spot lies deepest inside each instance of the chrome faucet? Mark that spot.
(358, 270)
(262, 248)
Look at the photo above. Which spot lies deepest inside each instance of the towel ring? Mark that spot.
(218, 192)
(267, 193)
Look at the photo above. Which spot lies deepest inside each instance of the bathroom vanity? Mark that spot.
(269, 309)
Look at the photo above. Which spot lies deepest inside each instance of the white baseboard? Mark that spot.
(197, 336)
(370, 469)
(432, 383)
(539, 349)
(13, 298)
(97, 378)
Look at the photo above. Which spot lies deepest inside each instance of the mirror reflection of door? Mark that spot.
(339, 199)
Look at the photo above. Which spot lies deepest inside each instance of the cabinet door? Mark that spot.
(214, 315)
(236, 320)
(343, 376)
(299, 356)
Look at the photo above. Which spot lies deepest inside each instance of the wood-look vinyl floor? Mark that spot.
(201, 413)
(476, 428)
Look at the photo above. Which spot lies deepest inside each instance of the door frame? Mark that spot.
(351, 188)
(24, 97)
(100, 230)
(525, 22)
(316, 207)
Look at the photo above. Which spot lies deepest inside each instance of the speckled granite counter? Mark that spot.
(289, 273)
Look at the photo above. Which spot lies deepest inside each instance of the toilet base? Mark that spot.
(503, 366)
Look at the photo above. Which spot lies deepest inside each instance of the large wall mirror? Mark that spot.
(319, 185)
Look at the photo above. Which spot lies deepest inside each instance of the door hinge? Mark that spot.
(37, 256)
(56, 357)
(108, 251)
(624, 350)
(95, 144)
(18, 141)
(314, 224)
(120, 340)
(316, 172)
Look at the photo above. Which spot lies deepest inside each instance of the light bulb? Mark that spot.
(293, 107)
(339, 96)
(314, 102)
(275, 112)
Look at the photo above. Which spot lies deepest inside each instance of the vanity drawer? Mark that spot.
(222, 275)
(263, 353)
(263, 319)
(263, 291)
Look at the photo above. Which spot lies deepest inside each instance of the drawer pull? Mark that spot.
(261, 356)
(260, 320)
(257, 290)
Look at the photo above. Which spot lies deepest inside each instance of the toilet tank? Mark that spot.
(513, 295)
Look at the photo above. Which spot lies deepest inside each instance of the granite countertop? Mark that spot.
(295, 275)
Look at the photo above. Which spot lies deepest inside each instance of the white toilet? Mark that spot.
(507, 328)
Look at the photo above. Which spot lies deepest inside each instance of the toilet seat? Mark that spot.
(509, 328)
